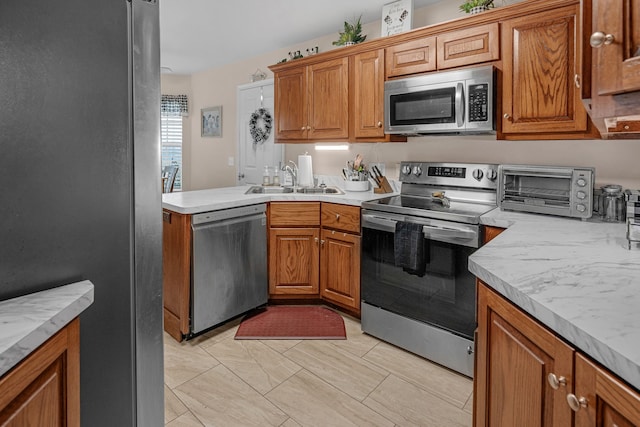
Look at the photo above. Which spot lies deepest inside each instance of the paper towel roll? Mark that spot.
(305, 171)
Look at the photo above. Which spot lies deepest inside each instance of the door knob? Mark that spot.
(599, 39)
(555, 382)
(576, 403)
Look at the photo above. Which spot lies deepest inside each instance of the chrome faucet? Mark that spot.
(293, 171)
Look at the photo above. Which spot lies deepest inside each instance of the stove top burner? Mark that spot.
(470, 188)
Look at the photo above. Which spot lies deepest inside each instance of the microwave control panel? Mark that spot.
(478, 102)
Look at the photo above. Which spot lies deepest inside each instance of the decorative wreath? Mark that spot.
(260, 125)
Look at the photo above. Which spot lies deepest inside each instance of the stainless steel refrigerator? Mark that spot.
(80, 194)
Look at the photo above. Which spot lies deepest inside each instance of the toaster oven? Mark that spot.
(552, 190)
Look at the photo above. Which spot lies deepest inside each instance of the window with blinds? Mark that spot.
(171, 138)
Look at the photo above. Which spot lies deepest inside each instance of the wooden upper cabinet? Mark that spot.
(312, 102)
(413, 57)
(540, 67)
(368, 94)
(291, 104)
(468, 46)
(617, 61)
(328, 91)
(608, 401)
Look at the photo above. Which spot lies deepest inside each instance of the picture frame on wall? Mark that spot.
(397, 17)
(211, 121)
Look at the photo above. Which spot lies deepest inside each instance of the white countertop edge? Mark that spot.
(26, 322)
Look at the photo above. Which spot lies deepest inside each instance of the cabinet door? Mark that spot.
(608, 402)
(417, 56)
(176, 272)
(291, 104)
(44, 389)
(468, 46)
(539, 72)
(328, 91)
(368, 87)
(340, 268)
(617, 65)
(294, 261)
(515, 356)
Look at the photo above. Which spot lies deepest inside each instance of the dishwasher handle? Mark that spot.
(224, 214)
(229, 221)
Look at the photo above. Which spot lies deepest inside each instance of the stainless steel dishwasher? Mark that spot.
(229, 264)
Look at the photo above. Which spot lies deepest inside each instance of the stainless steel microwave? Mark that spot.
(459, 101)
(553, 190)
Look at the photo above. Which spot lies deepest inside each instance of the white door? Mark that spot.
(254, 156)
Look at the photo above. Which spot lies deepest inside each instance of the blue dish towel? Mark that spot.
(409, 248)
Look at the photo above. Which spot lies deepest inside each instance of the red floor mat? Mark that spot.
(285, 322)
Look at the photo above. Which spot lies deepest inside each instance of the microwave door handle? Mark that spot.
(459, 105)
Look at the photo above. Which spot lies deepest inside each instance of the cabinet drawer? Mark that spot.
(292, 214)
(417, 56)
(468, 46)
(341, 217)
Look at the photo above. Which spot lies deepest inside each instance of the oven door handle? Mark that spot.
(449, 232)
(378, 223)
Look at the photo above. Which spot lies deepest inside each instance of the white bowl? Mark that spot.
(356, 185)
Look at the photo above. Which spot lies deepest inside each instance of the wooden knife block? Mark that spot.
(385, 187)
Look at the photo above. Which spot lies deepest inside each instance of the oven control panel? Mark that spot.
(468, 175)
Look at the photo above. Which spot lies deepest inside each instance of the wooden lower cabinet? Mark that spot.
(491, 233)
(514, 358)
(44, 389)
(340, 268)
(314, 251)
(608, 402)
(294, 261)
(176, 272)
(526, 375)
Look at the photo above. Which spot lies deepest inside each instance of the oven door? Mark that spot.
(443, 294)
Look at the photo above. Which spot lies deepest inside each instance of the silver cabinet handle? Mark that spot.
(315, 239)
(555, 382)
(599, 39)
(576, 403)
(576, 80)
(337, 216)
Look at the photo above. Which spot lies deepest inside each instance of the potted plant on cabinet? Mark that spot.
(351, 34)
(476, 6)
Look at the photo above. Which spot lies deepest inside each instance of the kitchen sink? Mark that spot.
(320, 190)
(259, 189)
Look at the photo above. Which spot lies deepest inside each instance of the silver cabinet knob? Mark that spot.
(507, 116)
(308, 127)
(315, 239)
(303, 128)
(576, 80)
(379, 124)
(599, 39)
(337, 217)
(576, 403)
(555, 382)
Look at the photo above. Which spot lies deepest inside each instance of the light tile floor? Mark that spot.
(214, 380)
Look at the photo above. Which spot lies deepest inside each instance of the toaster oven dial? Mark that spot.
(478, 174)
(581, 195)
(417, 170)
(581, 182)
(406, 170)
(492, 174)
(580, 207)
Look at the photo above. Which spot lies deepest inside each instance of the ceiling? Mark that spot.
(196, 35)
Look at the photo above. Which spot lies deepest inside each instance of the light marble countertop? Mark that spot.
(192, 202)
(28, 321)
(576, 277)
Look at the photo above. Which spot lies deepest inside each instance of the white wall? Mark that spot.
(207, 162)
